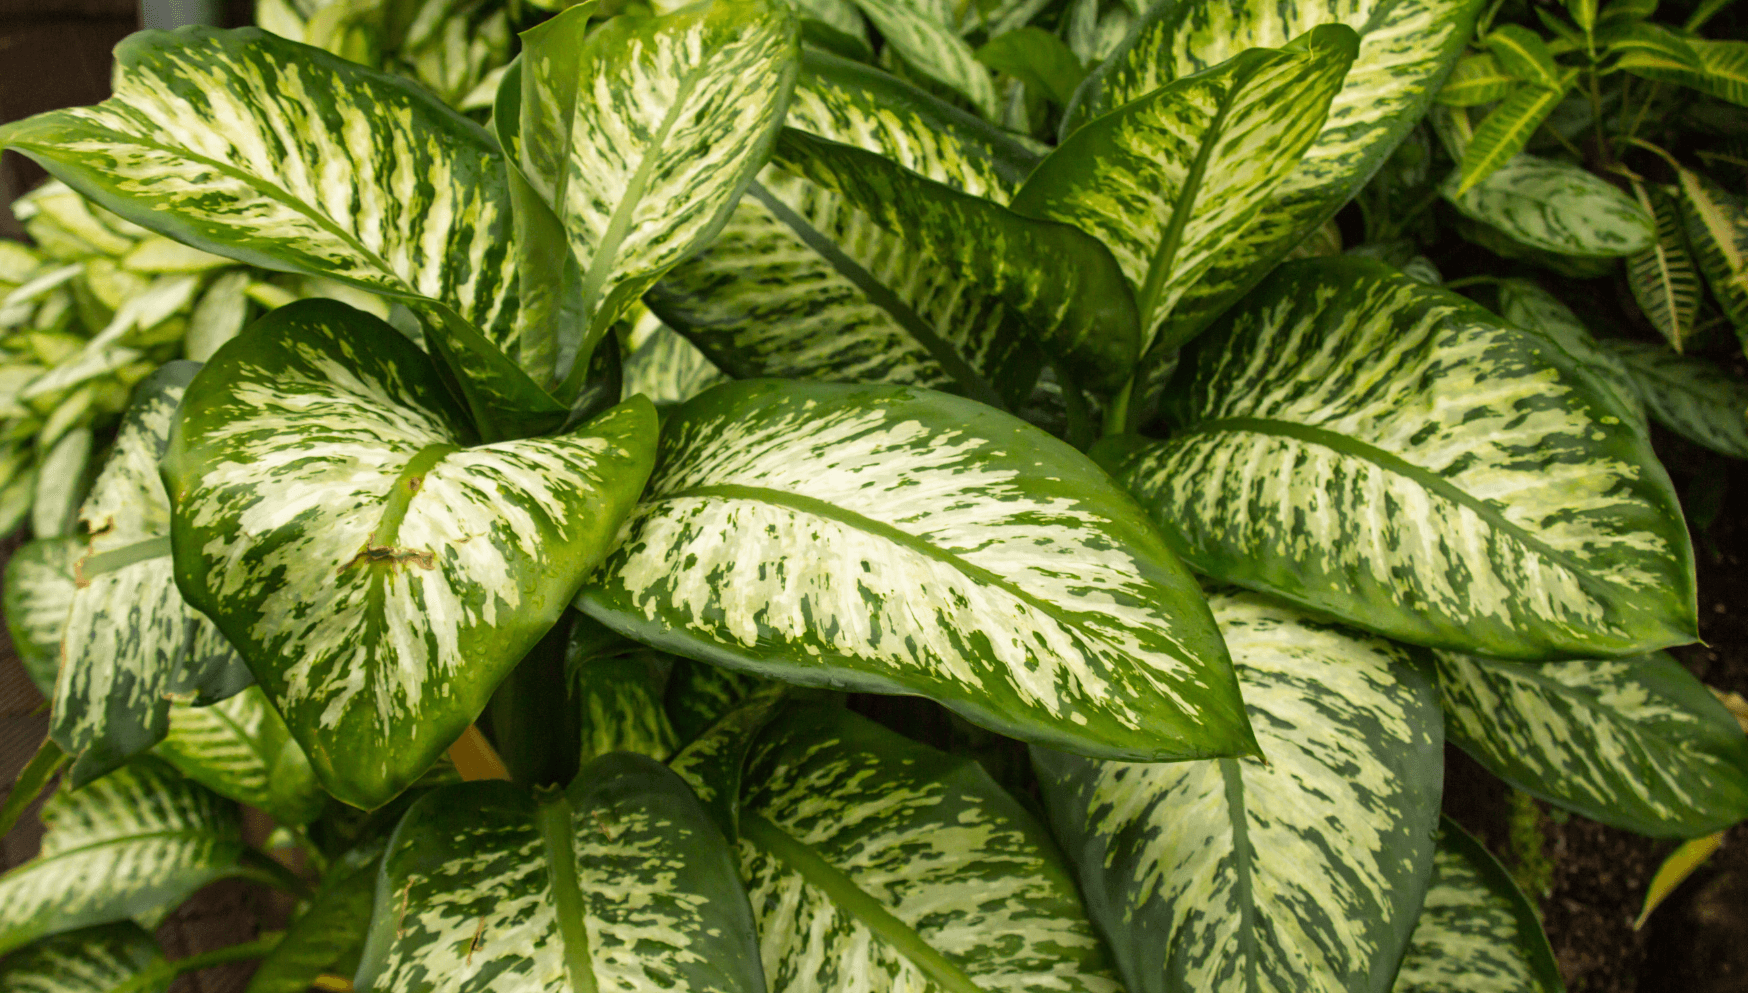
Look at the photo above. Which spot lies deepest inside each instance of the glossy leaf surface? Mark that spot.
(1388, 453)
(1506, 129)
(875, 862)
(330, 929)
(896, 540)
(130, 844)
(1173, 180)
(1304, 872)
(1477, 931)
(620, 882)
(1663, 278)
(1635, 743)
(378, 573)
(927, 43)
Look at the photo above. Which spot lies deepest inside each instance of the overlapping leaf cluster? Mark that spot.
(752, 355)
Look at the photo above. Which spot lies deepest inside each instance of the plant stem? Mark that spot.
(1117, 414)
(1603, 147)
(158, 975)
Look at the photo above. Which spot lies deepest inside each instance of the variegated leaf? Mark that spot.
(668, 369)
(240, 748)
(876, 863)
(1392, 455)
(699, 695)
(1532, 308)
(1506, 130)
(713, 762)
(1523, 53)
(108, 958)
(1406, 49)
(927, 42)
(1301, 870)
(378, 570)
(620, 882)
(1719, 68)
(39, 594)
(131, 844)
(1557, 207)
(1636, 743)
(1477, 932)
(886, 539)
(283, 156)
(1477, 79)
(132, 644)
(619, 694)
(1662, 277)
(641, 135)
(1717, 228)
(1173, 180)
(1061, 282)
(329, 931)
(1690, 396)
(801, 285)
(61, 480)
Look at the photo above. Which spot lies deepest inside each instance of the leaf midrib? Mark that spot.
(974, 384)
(556, 821)
(188, 833)
(1238, 814)
(1349, 445)
(830, 511)
(855, 902)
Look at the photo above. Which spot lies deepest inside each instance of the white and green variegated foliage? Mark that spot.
(801, 284)
(1689, 395)
(130, 643)
(240, 748)
(1301, 869)
(39, 592)
(1717, 229)
(1406, 47)
(668, 369)
(1386, 452)
(1638, 743)
(1529, 306)
(380, 570)
(895, 540)
(874, 862)
(106, 958)
(1477, 931)
(1557, 207)
(132, 844)
(620, 882)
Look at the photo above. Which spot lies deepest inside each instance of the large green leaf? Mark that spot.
(1637, 743)
(642, 133)
(39, 593)
(241, 749)
(1300, 870)
(894, 540)
(617, 687)
(1690, 396)
(132, 644)
(1388, 453)
(1557, 207)
(1060, 281)
(131, 844)
(874, 862)
(1173, 180)
(283, 156)
(1717, 228)
(1406, 49)
(1532, 308)
(801, 285)
(102, 959)
(620, 882)
(1663, 279)
(379, 575)
(1477, 931)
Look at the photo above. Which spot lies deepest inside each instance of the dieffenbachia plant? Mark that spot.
(753, 366)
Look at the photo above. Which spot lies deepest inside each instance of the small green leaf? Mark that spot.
(620, 882)
(867, 855)
(1306, 866)
(929, 45)
(1635, 743)
(1172, 180)
(1556, 207)
(1476, 930)
(699, 695)
(39, 592)
(108, 958)
(133, 843)
(619, 693)
(1504, 132)
(1523, 54)
(1718, 68)
(61, 480)
(1037, 58)
(380, 605)
(1662, 277)
(1480, 493)
(1717, 229)
(1690, 396)
(1477, 79)
(641, 181)
(815, 533)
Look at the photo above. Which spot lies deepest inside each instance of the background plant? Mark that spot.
(752, 355)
